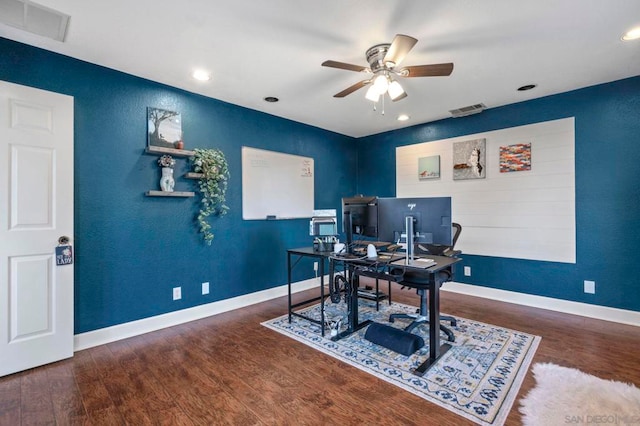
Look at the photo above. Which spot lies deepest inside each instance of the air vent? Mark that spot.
(34, 18)
(468, 110)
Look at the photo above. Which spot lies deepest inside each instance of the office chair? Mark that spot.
(420, 281)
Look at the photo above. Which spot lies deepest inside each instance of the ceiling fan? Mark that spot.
(384, 60)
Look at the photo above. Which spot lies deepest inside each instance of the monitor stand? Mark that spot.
(410, 260)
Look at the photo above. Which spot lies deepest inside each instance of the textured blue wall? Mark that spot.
(607, 170)
(131, 250)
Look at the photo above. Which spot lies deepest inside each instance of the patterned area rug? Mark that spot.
(478, 378)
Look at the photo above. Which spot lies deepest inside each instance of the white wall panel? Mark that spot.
(527, 214)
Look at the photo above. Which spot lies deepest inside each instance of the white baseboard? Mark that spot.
(146, 325)
(568, 307)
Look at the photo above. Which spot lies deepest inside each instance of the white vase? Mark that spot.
(166, 181)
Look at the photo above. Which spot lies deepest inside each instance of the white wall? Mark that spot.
(526, 214)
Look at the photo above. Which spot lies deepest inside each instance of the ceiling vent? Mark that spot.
(34, 18)
(468, 110)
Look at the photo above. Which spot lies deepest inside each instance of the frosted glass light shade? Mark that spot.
(381, 83)
(396, 91)
(372, 94)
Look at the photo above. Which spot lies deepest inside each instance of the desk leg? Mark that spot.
(289, 282)
(355, 284)
(321, 259)
(352, 303)
(435, 350)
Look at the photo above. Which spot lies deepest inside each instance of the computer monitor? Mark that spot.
(431, 219)
(359, 217)
(363, 214)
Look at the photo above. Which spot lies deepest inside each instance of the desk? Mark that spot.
(436, 350)
(356, 266)
(293, 257)
(298, 254)
(375, 268)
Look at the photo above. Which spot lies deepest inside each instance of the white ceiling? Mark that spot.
(258, 48)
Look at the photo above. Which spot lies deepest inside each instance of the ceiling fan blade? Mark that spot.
(434, 70)
(351, 89)
(344, 66)
(400, 46)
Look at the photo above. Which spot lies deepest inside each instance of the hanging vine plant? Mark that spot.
(212, 185)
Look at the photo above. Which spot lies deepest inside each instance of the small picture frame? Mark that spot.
(429, 167)
(164, 128)
(515, 158)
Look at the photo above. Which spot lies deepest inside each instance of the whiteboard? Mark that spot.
(276, 185)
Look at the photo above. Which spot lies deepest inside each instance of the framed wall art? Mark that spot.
(429, 167)
(469, 159)
(164, 128)
(515, 158)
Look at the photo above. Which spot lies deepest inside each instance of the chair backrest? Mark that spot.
(417, 278)
(442, 249)
(456, 233)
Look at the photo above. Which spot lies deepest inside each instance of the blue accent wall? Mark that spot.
(131, 250)
(607, 172)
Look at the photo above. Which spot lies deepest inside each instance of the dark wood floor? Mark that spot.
(228, 369)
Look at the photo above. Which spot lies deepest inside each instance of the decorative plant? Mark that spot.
(213, 186)
(166, 161)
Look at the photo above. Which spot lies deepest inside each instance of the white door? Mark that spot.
(36, 208)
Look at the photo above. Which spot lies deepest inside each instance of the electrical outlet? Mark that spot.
(467, 271)
(205, 288)
(315, 266)
(177, 293)
(590, 287)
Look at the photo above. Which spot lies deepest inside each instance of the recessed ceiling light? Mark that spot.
(201, 75)
(403, 117)
(271, 99)
(632, 34)
(526, 87)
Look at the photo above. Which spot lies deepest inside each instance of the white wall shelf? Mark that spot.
(169, 194)
(193, 175)
(158, 150)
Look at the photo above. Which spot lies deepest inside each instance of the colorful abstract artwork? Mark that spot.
(515, 158)
(429, 167)
(469, 159)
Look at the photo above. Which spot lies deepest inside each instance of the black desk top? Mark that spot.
(382, 258)
(310, 251)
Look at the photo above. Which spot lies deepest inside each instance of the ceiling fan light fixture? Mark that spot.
(381, 83)
(373, 94)
(395, 91)
(383, 60)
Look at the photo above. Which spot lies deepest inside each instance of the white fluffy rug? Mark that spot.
(568, 396)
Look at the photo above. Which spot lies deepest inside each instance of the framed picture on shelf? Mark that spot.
(164, 128)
